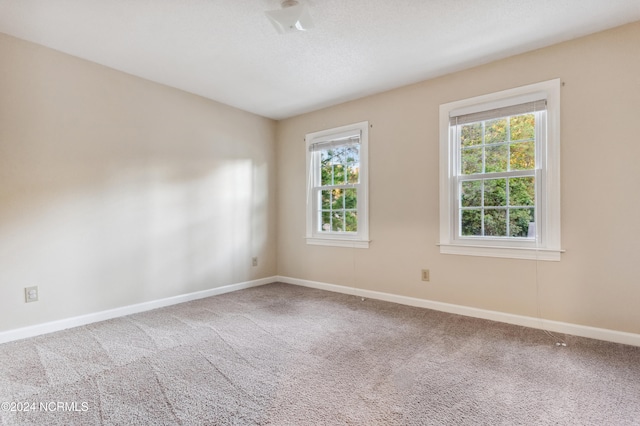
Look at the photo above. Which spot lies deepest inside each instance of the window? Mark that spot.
(500, 174)
(337, 197)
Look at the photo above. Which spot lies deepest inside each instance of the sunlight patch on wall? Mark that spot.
(144, 233)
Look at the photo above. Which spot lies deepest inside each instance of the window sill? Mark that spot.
(504, 252)
(338, 242)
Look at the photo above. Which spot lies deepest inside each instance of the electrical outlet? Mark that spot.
(254, 261)
(31, 294)
(425, 275)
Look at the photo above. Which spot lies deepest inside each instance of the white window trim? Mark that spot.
(361, 238)
(547, 245)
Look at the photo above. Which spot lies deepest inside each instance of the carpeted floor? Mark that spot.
(287, 355)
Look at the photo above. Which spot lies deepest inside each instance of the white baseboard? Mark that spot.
(543, 324)
(559, 327)
(50, 327)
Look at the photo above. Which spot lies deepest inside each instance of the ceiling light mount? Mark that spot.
(293, 16)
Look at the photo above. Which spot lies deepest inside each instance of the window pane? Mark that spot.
(326, 172)
(495, 193)
(339, 174)
(351, 221)
(519, 220)
(496, 158)
(523, 156)
(337, 221)
(351, 154)
(522, 127)
(353, 173)
(337, 199)
(471, 134)
(471, 222)
(341, 165)
(495, 223)
(471, 161)
(522, 191)
(325, 199)
(495, 131)
(350, 198)
(326, 222)
(339, 155)
(471, 193)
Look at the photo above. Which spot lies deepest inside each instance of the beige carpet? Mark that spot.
(287, 355)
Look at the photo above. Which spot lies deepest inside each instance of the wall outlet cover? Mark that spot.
(31, 294)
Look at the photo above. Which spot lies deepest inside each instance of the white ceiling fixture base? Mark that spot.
(293, 17)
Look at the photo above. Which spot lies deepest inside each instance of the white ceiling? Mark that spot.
(227, 50)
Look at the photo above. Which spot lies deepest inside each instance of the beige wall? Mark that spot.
(597, 283)
(115, 190)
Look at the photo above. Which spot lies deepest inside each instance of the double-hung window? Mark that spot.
(337, 197)
(499, 186)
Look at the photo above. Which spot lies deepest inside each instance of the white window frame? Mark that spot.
(546, 245)
(359, 239)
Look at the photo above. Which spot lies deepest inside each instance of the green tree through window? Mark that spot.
(497, 181)
(339, 168)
